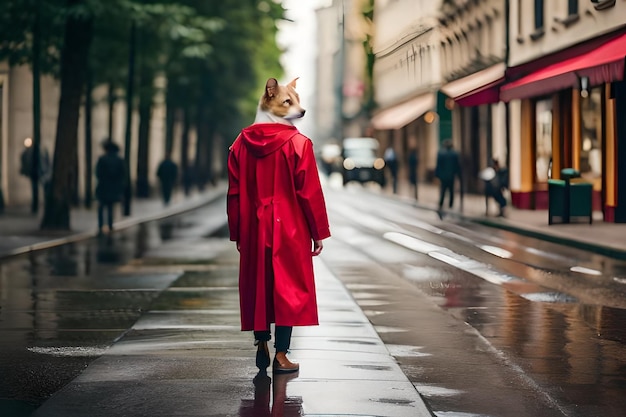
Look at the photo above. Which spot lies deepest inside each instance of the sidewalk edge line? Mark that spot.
(605, 250)
(120, 225)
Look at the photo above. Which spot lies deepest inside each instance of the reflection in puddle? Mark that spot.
(69, 351)
(435, 391)
(274, 403)
(585, 270)
(549, 297)
(108, 253)
(61, 307)
(406, 351)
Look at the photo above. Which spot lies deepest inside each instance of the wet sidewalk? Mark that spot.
(600, 237)
(186, 356)
(20, 232)
(20, 229)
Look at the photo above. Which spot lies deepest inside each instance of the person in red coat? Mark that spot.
(277, 216)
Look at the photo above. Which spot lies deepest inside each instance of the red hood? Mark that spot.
(264, 138)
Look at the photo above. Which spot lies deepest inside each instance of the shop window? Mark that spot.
(543, 141)
(572, 14)
(538, 14)
(520, 22)
(591, 135)
(539, 28)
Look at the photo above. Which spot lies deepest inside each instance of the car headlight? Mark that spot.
(379, 163)
(348, 164)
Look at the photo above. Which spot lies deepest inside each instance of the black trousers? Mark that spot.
(166, 192)
(109, 207)
(283, 337)
(446, 187)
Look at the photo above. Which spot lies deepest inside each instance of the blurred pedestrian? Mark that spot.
(168, 175)
(413, 164)
(111, 176)
(277, 216)
(496, 181)
(448, 168)
(38, 170)
(391, 162)
(188, 179)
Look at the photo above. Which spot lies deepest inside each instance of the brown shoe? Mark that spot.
(283, 365)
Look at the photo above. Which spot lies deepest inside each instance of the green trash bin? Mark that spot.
(556, 200)
(569, 173)
(567, 200)
(580, 199)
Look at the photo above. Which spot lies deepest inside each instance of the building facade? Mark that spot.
(536, 84)
(407, 77)
(564, 91)
(16, 126)
(473, 51)
(329, 87)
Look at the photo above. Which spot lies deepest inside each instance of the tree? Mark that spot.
(29, 35)
(214, 55)
(74, 52)
(230, 83)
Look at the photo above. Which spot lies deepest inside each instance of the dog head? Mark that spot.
(281, 100)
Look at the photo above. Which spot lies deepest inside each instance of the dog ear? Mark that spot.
(270, 87)
(292, 84)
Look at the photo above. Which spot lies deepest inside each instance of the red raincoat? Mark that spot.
(275, 209)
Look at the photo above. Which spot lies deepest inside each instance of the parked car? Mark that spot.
(361, 162)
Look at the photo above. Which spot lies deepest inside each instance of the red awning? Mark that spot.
(481, 87)
(487, 94)
(603, 64)
(401, 115)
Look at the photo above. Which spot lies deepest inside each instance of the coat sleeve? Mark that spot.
(233, 196)
(309, 191)
(438, 165)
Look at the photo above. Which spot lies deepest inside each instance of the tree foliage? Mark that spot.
(214, 55)
(17, 19)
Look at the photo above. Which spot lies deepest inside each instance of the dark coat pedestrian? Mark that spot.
(413, 161)
(111, 176)
(496, 181)
(43, 168)
(391, 162)
(448, 168)
(168, 175)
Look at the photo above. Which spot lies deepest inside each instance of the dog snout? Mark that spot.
(303, 111)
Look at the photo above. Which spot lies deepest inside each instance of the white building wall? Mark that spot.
(406, 44)
(157, 137)
(18, 125)
(409, 70)
(399, 20)
(558, 33)
(499, 133)
(328, 50)
(475, 35)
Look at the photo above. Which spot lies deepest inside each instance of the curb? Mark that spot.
(184, 207)
(593, 247)
(604, 250)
